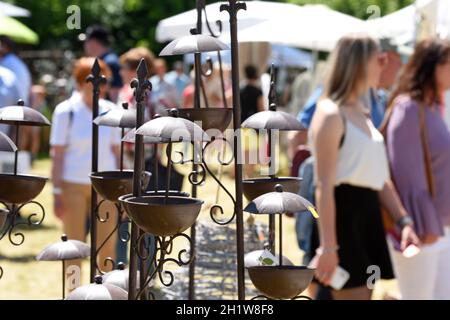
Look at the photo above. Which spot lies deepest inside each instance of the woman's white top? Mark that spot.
(76, 135)
(362, 160)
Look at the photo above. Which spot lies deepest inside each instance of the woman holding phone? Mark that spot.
(352, 173)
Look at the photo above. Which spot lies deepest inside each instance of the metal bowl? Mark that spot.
(113, 184)
(211, 118)
(3, 217)
(172, 193)
(253, 188)
(18, 189)
(281, 282)
(154, 216)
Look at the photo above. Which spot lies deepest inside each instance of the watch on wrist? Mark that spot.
(405, 221)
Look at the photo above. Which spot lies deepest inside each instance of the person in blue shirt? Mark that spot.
(97, 44)
(179, 80)
(9, 93)
(10, 60)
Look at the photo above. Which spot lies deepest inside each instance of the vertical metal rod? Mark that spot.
(63, 280)
(16, 153)
(271, 154)
(198, 56)
(271, 216)
(121, 149)
(222, 81)
(233, 7)
(280, 237)
(197, 65)
(169, 169)
(156, 167)
(141, 84)
(97, 80)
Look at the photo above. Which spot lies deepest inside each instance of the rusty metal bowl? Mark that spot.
(3, 217)
(281, 282)
(154, 216)
(211, 118)
(18, 189)
(253, 188)
(113, 184)
(172, 193)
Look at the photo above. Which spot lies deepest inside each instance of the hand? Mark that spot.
(409, 237)
(327, 263)
(58, 206)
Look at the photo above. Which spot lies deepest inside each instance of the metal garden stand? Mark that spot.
(17, 191)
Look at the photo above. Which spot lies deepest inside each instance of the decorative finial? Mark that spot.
(121, 266)
(64, 237)
(279, 188)
(141, 84)
(233, 7)
(20, 103)
(173, 113)
(95, 77)
(98, 279)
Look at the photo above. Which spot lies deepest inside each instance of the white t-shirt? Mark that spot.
(76, 135)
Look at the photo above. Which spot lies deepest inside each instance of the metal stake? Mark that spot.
(141, 85)
(232, 8)
(97, 80)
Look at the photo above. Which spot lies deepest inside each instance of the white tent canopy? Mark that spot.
(315, 27)
(399, 26)
(281, 56)
(7, 9)
(257, 11)
(426, 18)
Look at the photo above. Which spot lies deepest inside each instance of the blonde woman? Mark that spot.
(352, 173)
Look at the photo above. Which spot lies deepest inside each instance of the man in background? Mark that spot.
(164, 95)
(97, 44)
(179, 80)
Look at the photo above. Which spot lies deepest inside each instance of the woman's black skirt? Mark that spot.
(360, 234)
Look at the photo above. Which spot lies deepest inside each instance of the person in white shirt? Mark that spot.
(71, 149)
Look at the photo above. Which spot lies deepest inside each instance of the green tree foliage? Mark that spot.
(133, 22)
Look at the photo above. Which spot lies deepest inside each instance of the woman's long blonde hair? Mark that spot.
(348, 70)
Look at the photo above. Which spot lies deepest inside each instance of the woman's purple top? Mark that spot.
(406, 157)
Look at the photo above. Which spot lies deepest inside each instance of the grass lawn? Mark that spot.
(25, 278)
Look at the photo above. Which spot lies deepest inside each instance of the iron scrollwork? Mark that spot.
(217, 209)
(117, 228)
(13, 222)
(163, 246)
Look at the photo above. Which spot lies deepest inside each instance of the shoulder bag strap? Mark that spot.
(426, 151)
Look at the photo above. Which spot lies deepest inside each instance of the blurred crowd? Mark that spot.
(375, 155)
